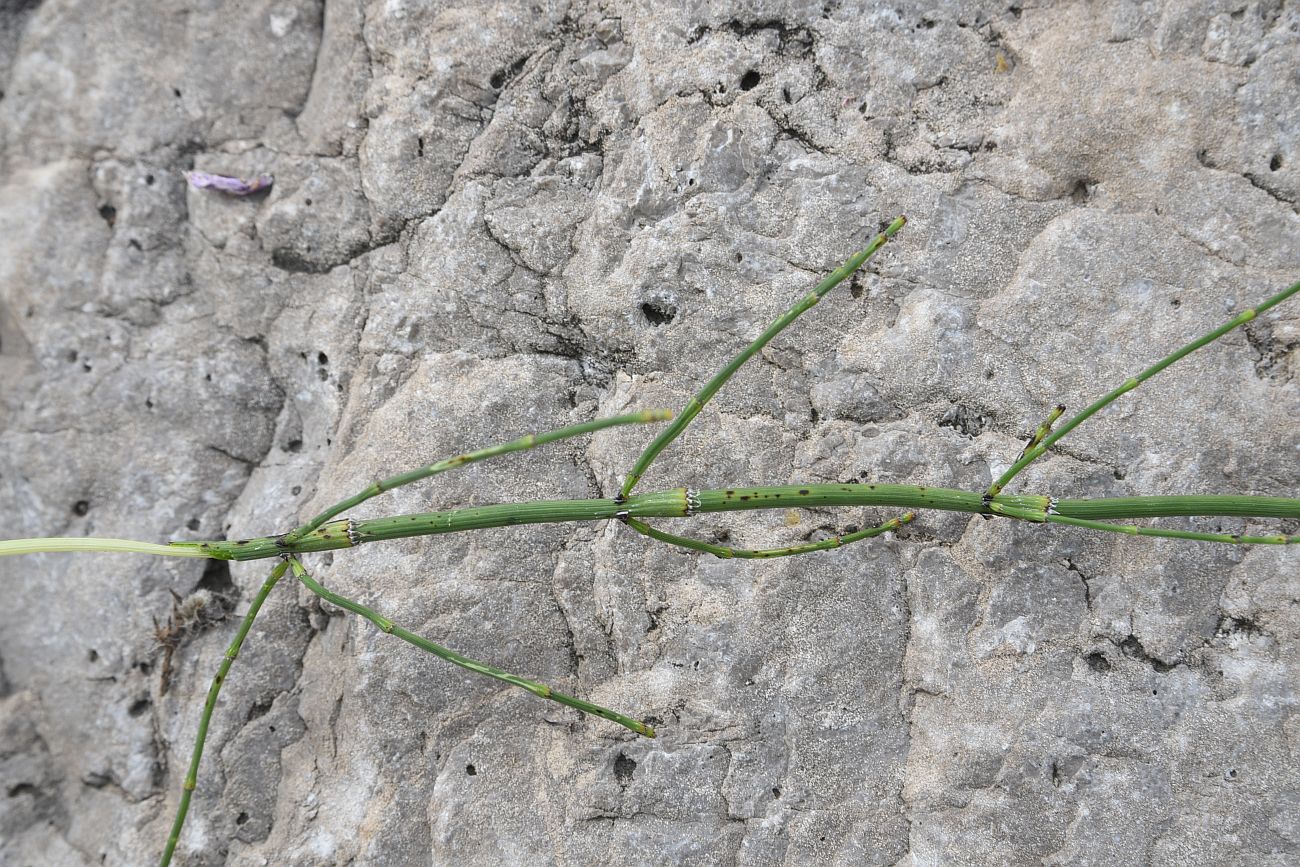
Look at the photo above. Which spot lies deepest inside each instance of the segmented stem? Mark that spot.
(696, 403)
(538, 689)
(683, 503)
(526, 442)
(1033, 453)
(192, 775)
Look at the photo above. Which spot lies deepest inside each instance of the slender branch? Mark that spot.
(526, 442)
(538, 689)
(1033, 453)
(727, 553)
(696, 403)
(1190, 535)
(192, 775)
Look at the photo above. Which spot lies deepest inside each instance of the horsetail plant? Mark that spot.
(327, 531)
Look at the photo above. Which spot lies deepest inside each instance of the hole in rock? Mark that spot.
(623, 768)
(1098, 662)
(658, 312)
(216, 578)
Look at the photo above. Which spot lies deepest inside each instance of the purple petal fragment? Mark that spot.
(227, 184)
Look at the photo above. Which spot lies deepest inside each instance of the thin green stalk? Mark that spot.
(1032, 454)
(727, 553)
(538, 689)
(1190, 535)
(526, 442)
(192, 775)
(692, 409)
(63, 544)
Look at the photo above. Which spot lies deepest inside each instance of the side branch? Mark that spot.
(526, 442)
(705, 394)
(192, 774)
(726, 553)
(1036, 450)
(540, 690)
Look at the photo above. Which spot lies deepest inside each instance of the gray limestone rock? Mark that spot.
(493, 218)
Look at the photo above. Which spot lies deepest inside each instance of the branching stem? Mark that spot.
(324, 532)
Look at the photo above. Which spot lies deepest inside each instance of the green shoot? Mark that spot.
(1036, 449)
(192, 775)
(540, 690)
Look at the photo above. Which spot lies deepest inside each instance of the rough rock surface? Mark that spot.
(491, 218)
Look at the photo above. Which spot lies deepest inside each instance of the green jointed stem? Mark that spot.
(192, 775)
(1203, 505)
(526, 442)
(538, 689)
(1031, 454)
(692, 409)
(682, 503)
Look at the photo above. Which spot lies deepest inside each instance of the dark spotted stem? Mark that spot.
(726, 553)
(527, 442)
(1035, 450)
(538, 689)
(692, 409)
(192, 775)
